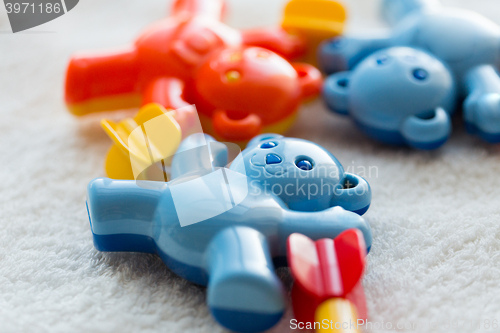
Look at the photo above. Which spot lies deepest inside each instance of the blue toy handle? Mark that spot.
(244, 294)
(336, 92)
(427, 132)
(355, 194)
(121, 214)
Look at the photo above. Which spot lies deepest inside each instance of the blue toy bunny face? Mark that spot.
(398, 95)
(291, 158)
(290, 168)
(399, 82)
(278, 158)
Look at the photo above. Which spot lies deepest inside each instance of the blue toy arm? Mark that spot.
(429, 132)
(344, 53)
(328, 223)
(482, 106)
(354, 194)
(244, 294)
(394, 11)
(336, 92)
(121, 214)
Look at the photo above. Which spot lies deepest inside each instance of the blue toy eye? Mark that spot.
(273, 159)
(343, 83)
(382, 60)
(304, 164)
(269, 144)
(420, 74)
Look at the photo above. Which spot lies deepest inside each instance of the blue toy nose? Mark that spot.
(273, 159)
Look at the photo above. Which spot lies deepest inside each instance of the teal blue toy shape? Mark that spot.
(227, 227)
(466, 43)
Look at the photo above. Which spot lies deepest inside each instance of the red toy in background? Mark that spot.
(327, 288)
(239, 81)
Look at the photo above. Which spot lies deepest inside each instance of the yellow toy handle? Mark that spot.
(337, 315)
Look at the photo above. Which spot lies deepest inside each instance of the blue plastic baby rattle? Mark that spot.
(222, 227)
(404, 96)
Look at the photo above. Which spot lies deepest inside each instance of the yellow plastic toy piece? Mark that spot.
(315, 20)
(152, 136)
(340, 314)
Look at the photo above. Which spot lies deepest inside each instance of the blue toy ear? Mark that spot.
(336, 92)
(354, 194)
(331, 57)
(428, 131)
(263, 137)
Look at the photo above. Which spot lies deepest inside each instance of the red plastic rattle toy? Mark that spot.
(239, 81)
(327, 293)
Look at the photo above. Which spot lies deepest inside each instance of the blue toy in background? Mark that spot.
(397, 95)
(222, 227)
(467, 43)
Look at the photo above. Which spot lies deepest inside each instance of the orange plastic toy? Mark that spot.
(239, 81)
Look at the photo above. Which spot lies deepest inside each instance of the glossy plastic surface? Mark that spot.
(231, 251)
(239, 81)
(466, 43)
(328, 277)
